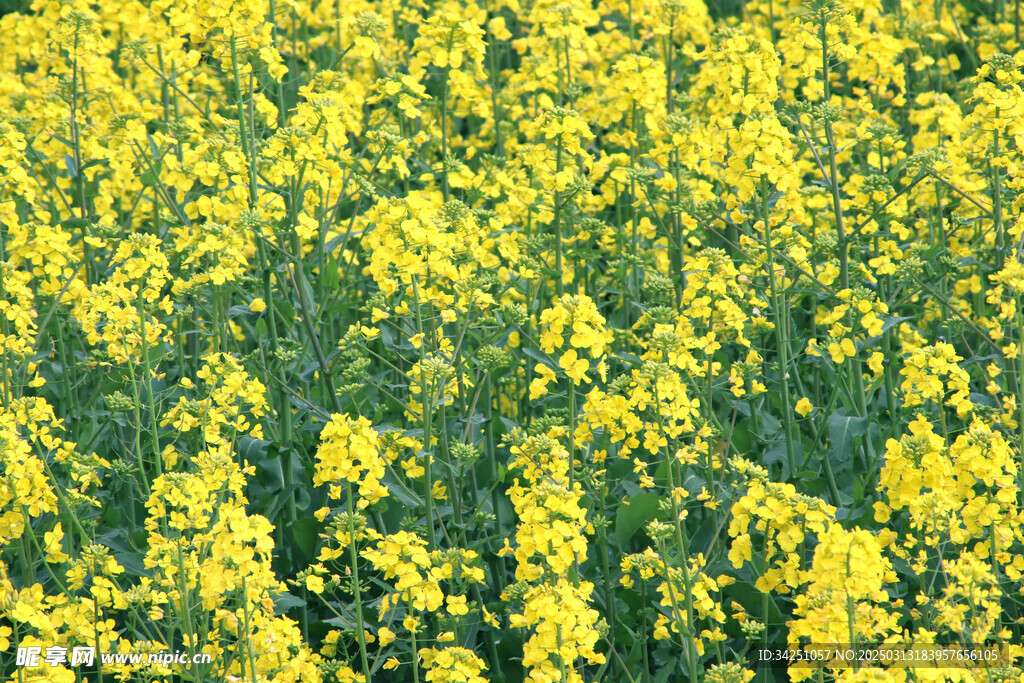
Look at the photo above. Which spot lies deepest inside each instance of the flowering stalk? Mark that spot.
(243, 132)
(843, 245)
(687, 637)
(492, 75)
(356, 586)
(444, 131)
(7, 371)
(185, 601)
(142, 477)
(997, 195)
(248, 631)
(690, 644)
(415, 650)
(781, 330)
(1020, 386)
(559, 280)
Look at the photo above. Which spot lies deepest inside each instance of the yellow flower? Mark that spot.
(315, 584)
(875, 362)
(457, 605)
(539, 385)
(575, 367)
(882, 512)
(803, 407)
(842, 350)
(257, 305)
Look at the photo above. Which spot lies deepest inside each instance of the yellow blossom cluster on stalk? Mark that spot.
(845, 600)
(783, 519)
(349, 453)
(26, 493)
(550, 547)
(520, 340)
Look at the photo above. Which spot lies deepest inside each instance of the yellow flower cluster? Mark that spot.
(845, 600)
(782, 519)
(550, 548)
(349, 453)
(452, 665)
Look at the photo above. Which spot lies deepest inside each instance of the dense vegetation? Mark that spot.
(539, 340)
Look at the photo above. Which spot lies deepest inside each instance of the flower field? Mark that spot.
(511, 340)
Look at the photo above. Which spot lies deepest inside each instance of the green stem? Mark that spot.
(137, 414)
(559, 285)
(242, 132)
(426, 406)
(492, 74)
(572, 433)
(1020, 387)
(248, 630)
(148, 378)
(997, 204)
(415, 650)
(444, 136)
(187, 606)
(781, 333)
(837, 208)
(356, 588)
(691, 650)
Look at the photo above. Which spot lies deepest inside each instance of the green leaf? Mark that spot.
(843, 431)
(669, 672)
(304, 534)
(982, 400)
(539, 356)
(74, 224)
(285, 601)
(255, 449)
(331, 277)
(635, 512)
(69, 162)
(344, 622)
(407, 497)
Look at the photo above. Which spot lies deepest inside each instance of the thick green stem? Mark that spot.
(356, 588)
(444, 136)
(997, 197)
(691, 649)
(492, 74)
(426, 406)
(415, 650)
(572, 433)
(248, 631)
(148, 379)
(781, 333)
(1019, 363)
(559, 285)
(186, 606)
(842, 238)
(243, 133)
(142, 479)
